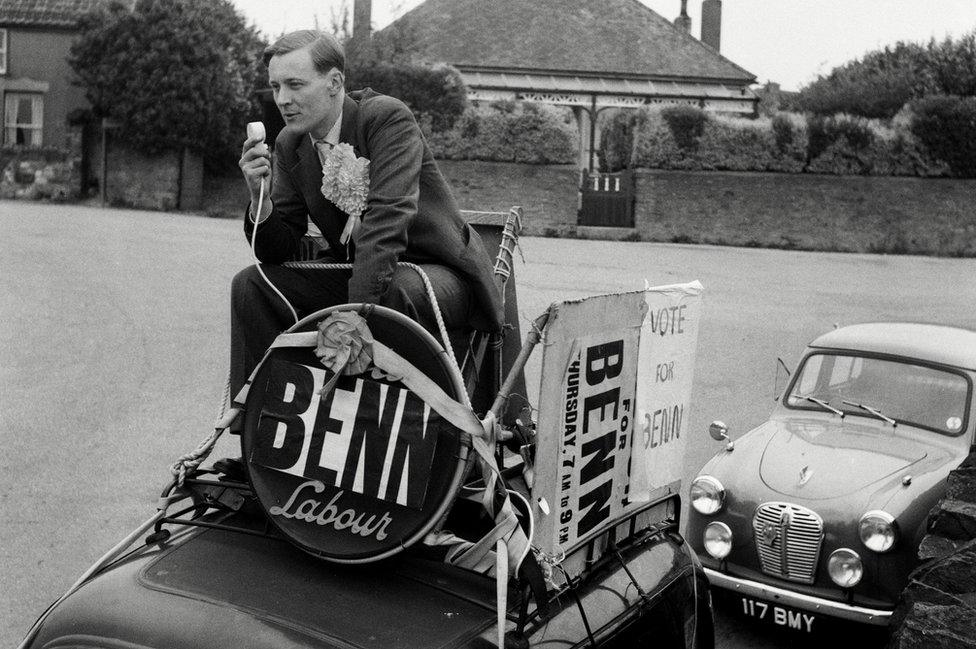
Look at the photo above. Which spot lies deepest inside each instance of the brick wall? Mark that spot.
(546, 192)
(807, 211)
(801, 211)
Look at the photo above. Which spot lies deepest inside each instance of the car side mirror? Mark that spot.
(783, 375)
(720, 433)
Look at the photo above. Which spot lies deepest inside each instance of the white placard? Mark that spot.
(586, 406)
(665, 371)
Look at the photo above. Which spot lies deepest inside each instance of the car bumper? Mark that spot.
(749, 588)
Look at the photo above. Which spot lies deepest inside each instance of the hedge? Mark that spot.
(928, 138)
(508, 132)
(947, 127)
(719, 143)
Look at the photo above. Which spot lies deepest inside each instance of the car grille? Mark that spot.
(788, 539)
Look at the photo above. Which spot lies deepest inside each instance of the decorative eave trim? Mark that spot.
(589, 102)
(596, 86)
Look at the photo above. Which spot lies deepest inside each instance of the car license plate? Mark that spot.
(778, 615)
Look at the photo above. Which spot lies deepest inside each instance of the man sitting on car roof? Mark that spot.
(353, 169)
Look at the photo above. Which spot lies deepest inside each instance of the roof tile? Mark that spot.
(615, 37)
(43, 13)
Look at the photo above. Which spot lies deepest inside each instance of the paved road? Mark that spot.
(113, 339)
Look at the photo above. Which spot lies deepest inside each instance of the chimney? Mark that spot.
(711, 23)
(683, 22)
(362, 20)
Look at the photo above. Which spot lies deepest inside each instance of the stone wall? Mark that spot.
(938, 607)
(163, 181)
(138, 180)
(40, 174)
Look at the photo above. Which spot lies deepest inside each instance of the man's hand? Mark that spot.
(255, 164)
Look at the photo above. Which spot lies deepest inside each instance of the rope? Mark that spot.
(435, 307)
(509, 243)
(191, 461)
(440, 325)
(224, 400)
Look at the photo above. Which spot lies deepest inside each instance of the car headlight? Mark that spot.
(707, 495)
(878, 530)
(718, 540)
(845, 567)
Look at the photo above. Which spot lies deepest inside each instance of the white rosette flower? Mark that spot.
(345, 182)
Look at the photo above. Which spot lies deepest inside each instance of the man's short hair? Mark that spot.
(326, 51)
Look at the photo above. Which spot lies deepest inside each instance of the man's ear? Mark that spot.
(336, 80)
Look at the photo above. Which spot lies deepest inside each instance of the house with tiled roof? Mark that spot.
(589, 55)
(36, 93)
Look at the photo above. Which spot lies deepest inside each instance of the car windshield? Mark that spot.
(920, 395)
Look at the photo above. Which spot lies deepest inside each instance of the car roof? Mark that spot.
(928, 342)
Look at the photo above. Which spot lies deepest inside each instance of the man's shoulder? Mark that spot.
(372, 103)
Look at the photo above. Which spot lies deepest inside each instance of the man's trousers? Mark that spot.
(258, 314)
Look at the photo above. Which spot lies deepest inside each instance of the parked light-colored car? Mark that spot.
(818, 512)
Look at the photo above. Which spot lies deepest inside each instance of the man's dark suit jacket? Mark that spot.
(411, 214)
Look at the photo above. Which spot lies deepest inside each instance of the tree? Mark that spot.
(173, 73)
(885, 80)
(387, 63)
(876, 86)
(435, 94)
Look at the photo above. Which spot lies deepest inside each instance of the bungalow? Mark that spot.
(588, 55)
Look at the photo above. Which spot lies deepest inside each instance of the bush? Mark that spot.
(654, 144)
(828, 132)
(946, 127)
(617, 140)
(735, 145)
(896, 152)
(725, 143)
(436, 94)
(791, 143)
(508, 132)
(687, 123)
(782, 132)
(791, 138)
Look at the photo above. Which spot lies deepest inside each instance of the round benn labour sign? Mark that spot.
(358, 472)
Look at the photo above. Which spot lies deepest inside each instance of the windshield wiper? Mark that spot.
(820, 402)
(873, 411)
